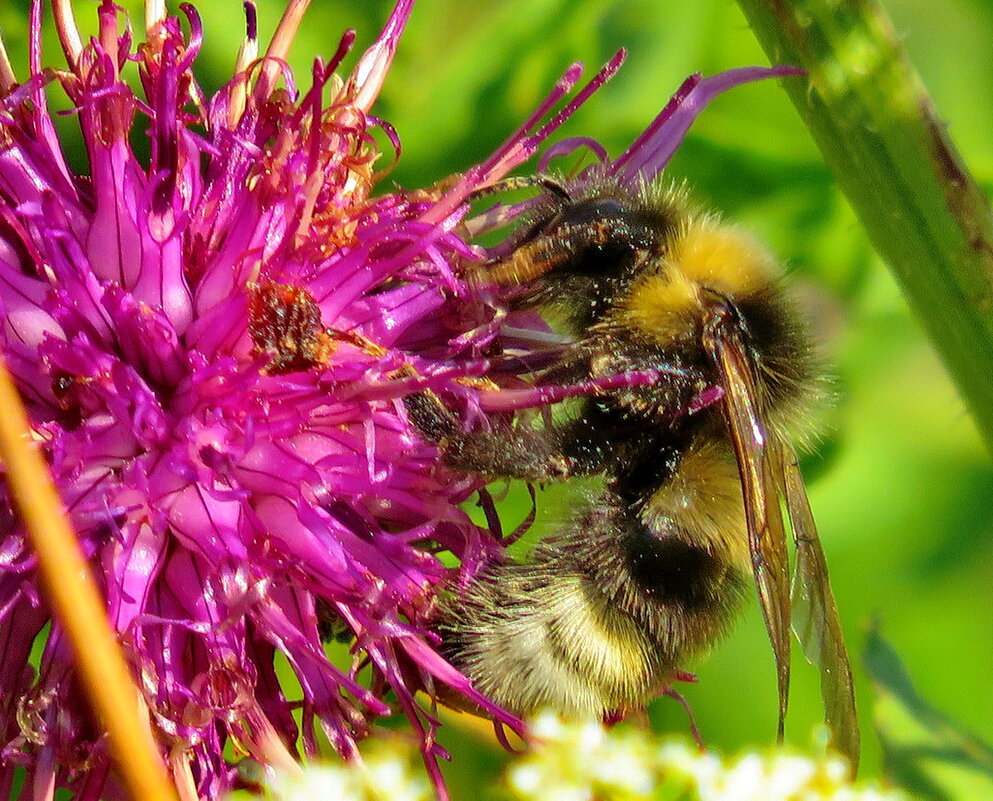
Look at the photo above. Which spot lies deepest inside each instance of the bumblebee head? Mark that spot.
(588, 245)
(603, 235)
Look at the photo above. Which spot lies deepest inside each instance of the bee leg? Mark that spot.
(431, 417)
(531, 455)
(694, 730)
(549, 454)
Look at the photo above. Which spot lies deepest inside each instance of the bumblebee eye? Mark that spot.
(596, 210)
(606, 224)
(598, 238)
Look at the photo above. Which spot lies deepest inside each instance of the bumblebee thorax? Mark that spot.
(704, 260)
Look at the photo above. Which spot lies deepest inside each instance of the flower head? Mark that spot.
(214, 343)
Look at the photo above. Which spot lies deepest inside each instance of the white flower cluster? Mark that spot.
(585, 761)
(387, 772)
(581, 762)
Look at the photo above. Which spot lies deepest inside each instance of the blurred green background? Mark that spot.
(900, 485)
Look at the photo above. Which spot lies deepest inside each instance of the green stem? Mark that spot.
(877, 129)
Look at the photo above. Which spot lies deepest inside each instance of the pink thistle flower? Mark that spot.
(214, 344)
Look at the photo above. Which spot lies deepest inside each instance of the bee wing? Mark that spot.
(763, 515)
(815, 615)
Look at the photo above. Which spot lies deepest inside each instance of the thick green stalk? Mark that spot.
(877, 129)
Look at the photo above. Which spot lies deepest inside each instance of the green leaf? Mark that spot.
(923, 750)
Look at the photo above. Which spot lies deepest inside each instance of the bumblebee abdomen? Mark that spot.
(597, 621)
(530, 636)
(678, 585)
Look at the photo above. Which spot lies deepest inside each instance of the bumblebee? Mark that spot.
(697, 464)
